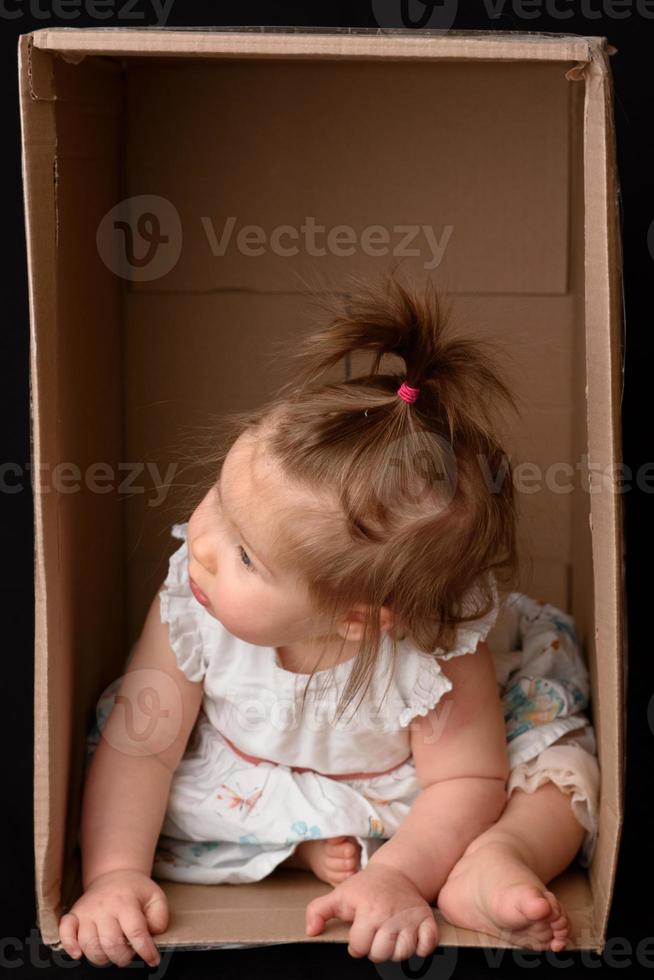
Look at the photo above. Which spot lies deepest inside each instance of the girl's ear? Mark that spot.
(351, 628)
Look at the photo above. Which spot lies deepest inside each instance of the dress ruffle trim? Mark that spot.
(179, 609)
(469, 635)
(431, 683)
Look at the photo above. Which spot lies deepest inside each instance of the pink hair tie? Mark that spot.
(407, 393)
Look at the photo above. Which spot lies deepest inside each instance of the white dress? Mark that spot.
(258, 775)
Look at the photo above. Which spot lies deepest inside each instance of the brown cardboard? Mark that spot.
(423, 128)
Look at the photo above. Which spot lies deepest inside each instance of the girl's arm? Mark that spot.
(144, 737)
(459, 748)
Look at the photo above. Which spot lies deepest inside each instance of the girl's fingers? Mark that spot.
(135, 926)
(89, 940)
(113, 940)
(319, 911)
(68, 927)
(384, 944)
(362, 934)
(156, 912)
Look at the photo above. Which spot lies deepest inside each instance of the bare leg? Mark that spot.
(498, 885)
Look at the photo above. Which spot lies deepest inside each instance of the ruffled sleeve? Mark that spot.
(470, 633)
(427, 688)
(424, 685)
(181, 611)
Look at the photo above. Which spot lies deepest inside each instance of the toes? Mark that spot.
(340, 863)
(344, 849)
(336, 877)
(534, 905)
(427, 937)
(557, 908)
(338, 842)
(560, 938)
(559, 924)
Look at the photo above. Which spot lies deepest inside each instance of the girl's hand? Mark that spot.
(390, 918)
(113, 919)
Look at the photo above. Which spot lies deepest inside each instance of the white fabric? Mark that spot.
(570, 763)
(233, 820)
(255, 702)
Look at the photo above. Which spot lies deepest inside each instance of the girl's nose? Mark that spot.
(203, 550)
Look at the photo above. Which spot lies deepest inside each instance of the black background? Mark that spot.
(632, 920)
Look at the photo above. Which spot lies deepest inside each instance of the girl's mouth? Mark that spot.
(200, 596)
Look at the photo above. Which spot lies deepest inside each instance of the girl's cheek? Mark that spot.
(246, 615)
(245, 627)
(232, 604)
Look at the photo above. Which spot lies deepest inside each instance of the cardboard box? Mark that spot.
(506, 139)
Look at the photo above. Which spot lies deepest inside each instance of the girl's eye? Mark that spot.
(245, 558)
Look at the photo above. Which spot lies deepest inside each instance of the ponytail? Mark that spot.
(362, 451)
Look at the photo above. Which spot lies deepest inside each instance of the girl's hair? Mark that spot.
(423, 493)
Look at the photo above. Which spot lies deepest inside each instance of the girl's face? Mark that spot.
(232, 559)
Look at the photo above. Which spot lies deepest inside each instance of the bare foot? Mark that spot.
(492, 890)
(331, 859)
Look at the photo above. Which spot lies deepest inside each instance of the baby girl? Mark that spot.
(332, 679)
